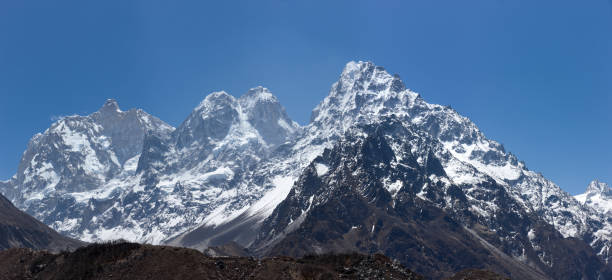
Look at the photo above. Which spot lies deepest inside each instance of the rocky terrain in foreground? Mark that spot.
(122, 260)
(136, 261)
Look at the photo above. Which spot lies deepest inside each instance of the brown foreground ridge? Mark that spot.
(135, 261)
(476, 274)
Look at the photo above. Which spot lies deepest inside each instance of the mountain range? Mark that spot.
(377, 169)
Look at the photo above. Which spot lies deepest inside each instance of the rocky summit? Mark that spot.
(376, 170)
(598, 196)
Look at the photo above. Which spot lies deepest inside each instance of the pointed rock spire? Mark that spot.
(257, 96)
(212, 118)
(367, 76)
(597, 186)
(214, 100)
(362, 91)
(265, 113)
(259, 92)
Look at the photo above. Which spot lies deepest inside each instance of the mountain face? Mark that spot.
(366, 92)
(598, 196)
(239, 170)
(383, 188)
(19, 230)
(70, 174)
(116, 174)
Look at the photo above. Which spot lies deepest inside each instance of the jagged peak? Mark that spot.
(257, 95)
(218, 95)
(217, 105)
(354, 71)
(362, 85)
(353, 67)
(216, 98)
(267, 115)
(597, 186)
(110, 113)
(365, 75)
(259, 92)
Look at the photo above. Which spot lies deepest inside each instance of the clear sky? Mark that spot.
(534, 75)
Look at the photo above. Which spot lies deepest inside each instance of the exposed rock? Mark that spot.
(134, 261)
(20, 230)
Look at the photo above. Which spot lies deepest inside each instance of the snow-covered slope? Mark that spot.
(598, 196)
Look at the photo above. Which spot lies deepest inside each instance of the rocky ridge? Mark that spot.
(19, 230)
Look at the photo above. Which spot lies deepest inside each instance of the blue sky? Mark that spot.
(534, 75)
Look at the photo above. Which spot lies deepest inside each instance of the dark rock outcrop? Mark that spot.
(135, 261)
(20, 230)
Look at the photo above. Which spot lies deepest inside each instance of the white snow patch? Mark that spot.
(265, 206)
(131, 165)
(321, 169)
(66, 225)
(394, 187)
(531, 234)
(221, 215)
(462, 173)
(463, 152)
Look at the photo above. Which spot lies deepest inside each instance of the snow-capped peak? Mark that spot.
(598, 195)
(363, 92)
(265, 113)
(597, 186)
(365, 75)
(215, 99)
(258, 94)
(256, 115)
